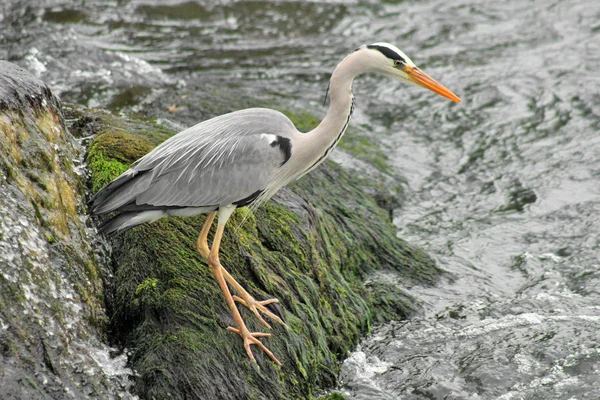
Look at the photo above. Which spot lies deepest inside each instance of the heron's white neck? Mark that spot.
(318, 143)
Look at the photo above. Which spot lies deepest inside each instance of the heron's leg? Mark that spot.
(246, 299)
(202, 241)
(248, 337)
(255, 306)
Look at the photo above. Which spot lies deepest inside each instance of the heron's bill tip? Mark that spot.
(421, 78)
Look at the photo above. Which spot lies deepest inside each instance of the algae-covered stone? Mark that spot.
(311, 247)
(52, 318)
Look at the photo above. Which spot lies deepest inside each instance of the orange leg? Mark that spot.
(218, 271)
(248, 337)
(202, 241)
(244, 297)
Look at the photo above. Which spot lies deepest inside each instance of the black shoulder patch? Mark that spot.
(386, 51)
(285, 145)
(248, 200)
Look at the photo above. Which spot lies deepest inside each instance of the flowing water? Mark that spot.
(502, 189)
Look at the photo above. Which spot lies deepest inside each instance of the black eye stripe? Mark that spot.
(389, 53)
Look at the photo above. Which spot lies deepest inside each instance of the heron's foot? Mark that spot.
(251, 338)
(258, 307)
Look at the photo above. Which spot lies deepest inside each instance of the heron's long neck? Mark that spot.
(318, 143)
(333, 126)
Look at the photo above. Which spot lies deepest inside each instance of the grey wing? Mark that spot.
(225, 160)
(215, 176)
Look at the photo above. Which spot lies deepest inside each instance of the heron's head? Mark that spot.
(389, 60)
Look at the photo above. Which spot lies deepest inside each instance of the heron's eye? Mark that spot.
(397, 63)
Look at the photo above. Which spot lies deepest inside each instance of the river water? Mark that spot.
(502, 189)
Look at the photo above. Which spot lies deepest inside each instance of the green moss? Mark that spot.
(367, 149)
(304, 121)
(148, 293)
(390, 302)
(148, 285)
(120, 146)
(103, 169)
(112, 151)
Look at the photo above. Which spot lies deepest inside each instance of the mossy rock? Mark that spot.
(52, 314)
(311, 247)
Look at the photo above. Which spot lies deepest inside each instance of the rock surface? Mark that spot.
(52, 315)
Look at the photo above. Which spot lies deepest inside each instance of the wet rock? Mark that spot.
(518, 197)
(52, 317)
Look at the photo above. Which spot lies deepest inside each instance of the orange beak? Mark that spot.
(421, 78)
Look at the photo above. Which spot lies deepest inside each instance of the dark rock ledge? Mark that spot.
(311, 247)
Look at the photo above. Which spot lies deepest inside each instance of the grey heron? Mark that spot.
(238, 159)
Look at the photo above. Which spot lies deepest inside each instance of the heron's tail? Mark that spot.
(129, 220)
(119, 192)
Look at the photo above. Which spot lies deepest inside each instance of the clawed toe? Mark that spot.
(258, 307)
(250, 338)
